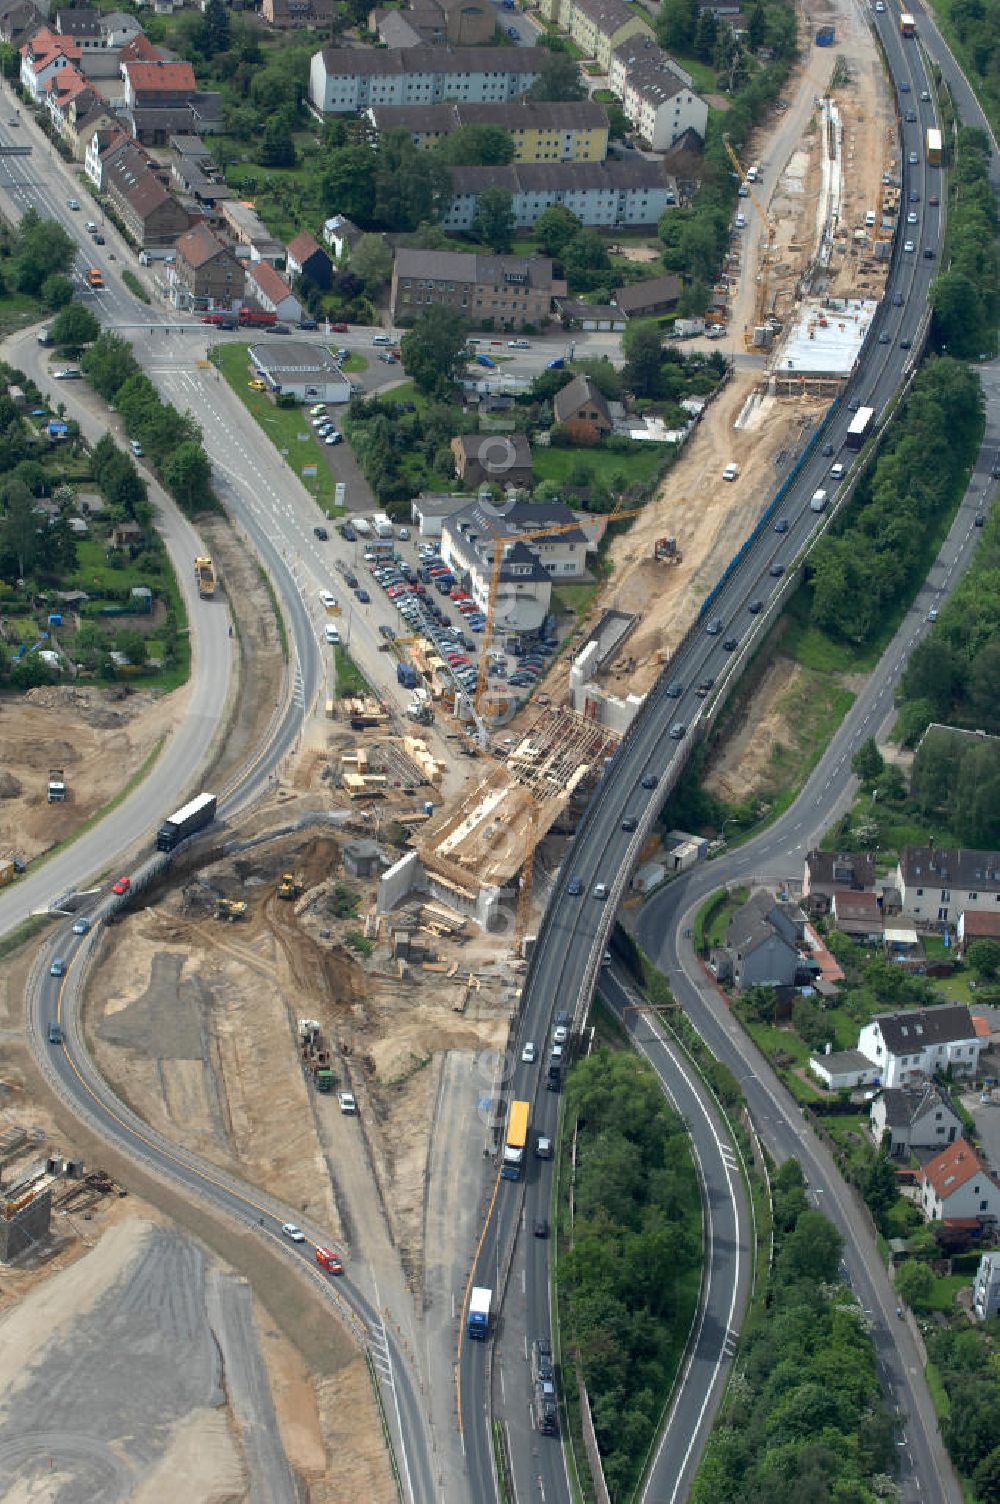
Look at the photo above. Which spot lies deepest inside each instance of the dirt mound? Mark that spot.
(10, 787)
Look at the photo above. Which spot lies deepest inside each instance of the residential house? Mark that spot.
(283, 15)
(501, 459)
(858, 915)
(83, 26)
(196, 176)
(150, 215)
(270, 291)
(827, 872)
(345, 80)
(19, 22)
(597, 27)
(649, 298)
(340, 235)
(305, 257)
(509, 291)
(102, 149)
(986, 1288)
(528, 566)
(937, 884)
(615, 193)
(139, 49)
(763, 939)
(162, 100)
(42, 57)
(576, 314)
(582, 410)
(435, 23)
(957, 1185)
(975, 925)
(920, 1042)
(656, 94)
(121, 30)
(907, 1118)
(542, 131)
(206, 274)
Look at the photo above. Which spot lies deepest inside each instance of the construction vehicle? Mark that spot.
(420, 708)
(95, 278)
(289, 888)
(231, 910)
(204, 573)
(748, 178)
(57, 786)
(315, 1058)
(665, 551)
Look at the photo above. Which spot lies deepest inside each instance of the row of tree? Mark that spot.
(804, 1418)
(966, 298)
(628, 1276)
(869, 562)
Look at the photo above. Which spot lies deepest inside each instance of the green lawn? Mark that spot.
(288, 428)
(641, 463)
(938, 1393)
(350, 679)
(354, 364)
(574, 600)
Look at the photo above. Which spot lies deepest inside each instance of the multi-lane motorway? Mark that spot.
(574, 930)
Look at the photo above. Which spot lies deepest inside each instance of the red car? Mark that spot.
(122, 886)
(329, 1261)
(339, 328)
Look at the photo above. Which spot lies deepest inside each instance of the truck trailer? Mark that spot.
(188, 819)
(517, 1138)
(479, 1313)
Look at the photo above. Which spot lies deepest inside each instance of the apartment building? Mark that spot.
(937, 884)
(613, 193)
(597, 26)
(562, 131)
(42, 58)
(510, 290)
(528, 568)
(206, 273)
(656, 94)
(150, 215)
(343, 81)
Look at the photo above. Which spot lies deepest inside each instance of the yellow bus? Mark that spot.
(517, 1138)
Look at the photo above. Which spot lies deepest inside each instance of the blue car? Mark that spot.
(363, 596)
(555, 365)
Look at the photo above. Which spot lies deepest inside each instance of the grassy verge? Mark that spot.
(350, 679)
(288, 428)
(24, 932)
(939, 1396)
(354, 364)
(135, 287)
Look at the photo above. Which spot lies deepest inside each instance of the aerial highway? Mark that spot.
(576, 924)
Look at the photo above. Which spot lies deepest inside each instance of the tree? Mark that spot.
(586, 252)
(433, 350)
(676, 25)
(643, 349)
(958, 313)
(108, 364)
(41, 247)
(477, 146)
(984, 685)
(277, 149)
(188, 475)
(877, 1184)
(558, 79)
(984, 958)
(554, 229)
(347, 184)
(494, 221)
(56, 291)
(987, 1478)
(20, 525)
(812, 1249)
(867, 762)
(74, 326)
(411, 186)
(371, 260)
(214, 28)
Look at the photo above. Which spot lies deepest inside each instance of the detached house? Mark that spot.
(270, 291)
(920, 1042)
(829, 872)
(957, 1186)
(763, 941)
(42, 58)
(922, 1117)
(581, 409)
(307, 258)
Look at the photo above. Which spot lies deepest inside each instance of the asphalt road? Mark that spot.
(574, 930)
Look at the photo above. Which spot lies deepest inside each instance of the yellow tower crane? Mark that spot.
(760, 302)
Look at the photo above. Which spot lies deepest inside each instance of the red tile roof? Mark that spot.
(981, 1026)
(980, 926)
(954, 1167)
(270, 282)
(198, 246)
(140, 50)
(173, 78)
(302, 247)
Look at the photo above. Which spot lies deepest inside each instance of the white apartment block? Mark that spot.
(609, 193)
(656, 94)
(343, 81)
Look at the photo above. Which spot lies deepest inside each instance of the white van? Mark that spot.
(836, 471)
(332, 634)
(741, 221)
(381, 339)
(818, 502)
(361, 527)
(731, 472)
(870, 218)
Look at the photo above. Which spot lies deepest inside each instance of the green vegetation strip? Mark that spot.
(630, 1256)
(25, 931)
(350, 679)
(288, 428)
(135, 287)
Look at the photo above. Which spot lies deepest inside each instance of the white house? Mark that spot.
(656, 94)
(937, 884)
(956, 1185)
(904, 1119)
(920, 1042)
(843, 1070)
(42, 58)
(340, 234)
(986, 1289)
(270, 291)
(344, 81)
(528, 569)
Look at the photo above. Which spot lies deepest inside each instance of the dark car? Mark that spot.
(781, 526)
(320, 533)
(678, 731)
(776, 571)
(731, 644)
(387, 633)
(650, 781)
(98, 238)
(883, 338)
(928, 253)
(351, 580)
(675, 689)
(906, 344)
(575, 887)
(347, 533)
(362, 596)
(540, 1227)
(827, 448)
(915, 197)
(55, 1034)
(852, 407)
(755, 606)
(979, 519)
(714, 627)
(897, 299)
(308, 324)
(629, 824)
(704, 688)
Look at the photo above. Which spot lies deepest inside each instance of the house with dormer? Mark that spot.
(958, 1186)
(936, 883)
(904, 1119)
(42, 58)
(917, 1044)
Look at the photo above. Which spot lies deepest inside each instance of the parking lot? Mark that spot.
(431, 603)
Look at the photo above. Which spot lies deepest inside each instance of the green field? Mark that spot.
(288, 428)
(640, 465)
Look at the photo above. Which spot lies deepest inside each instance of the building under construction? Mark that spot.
(26, 1207)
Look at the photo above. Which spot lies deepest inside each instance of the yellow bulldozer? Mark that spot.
(289, 887)
(230, 909)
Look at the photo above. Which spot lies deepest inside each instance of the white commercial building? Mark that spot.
(308, 372)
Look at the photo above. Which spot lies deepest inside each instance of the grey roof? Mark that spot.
(904, 1105)
(295, 358)
(512, 115)
(469, 266)
(750, 926)
(516, 454)
(651, 71)
(189, 146)
(609, 15)
(834, 868)
(546, 177)
(79, 23)
(395, 30)
(954, 868)
(574, 394)
(916, 1028)
(576, 308)
(349, 62)
(648, 294)
(486, 521)
(840, 1061)
(438, 503)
